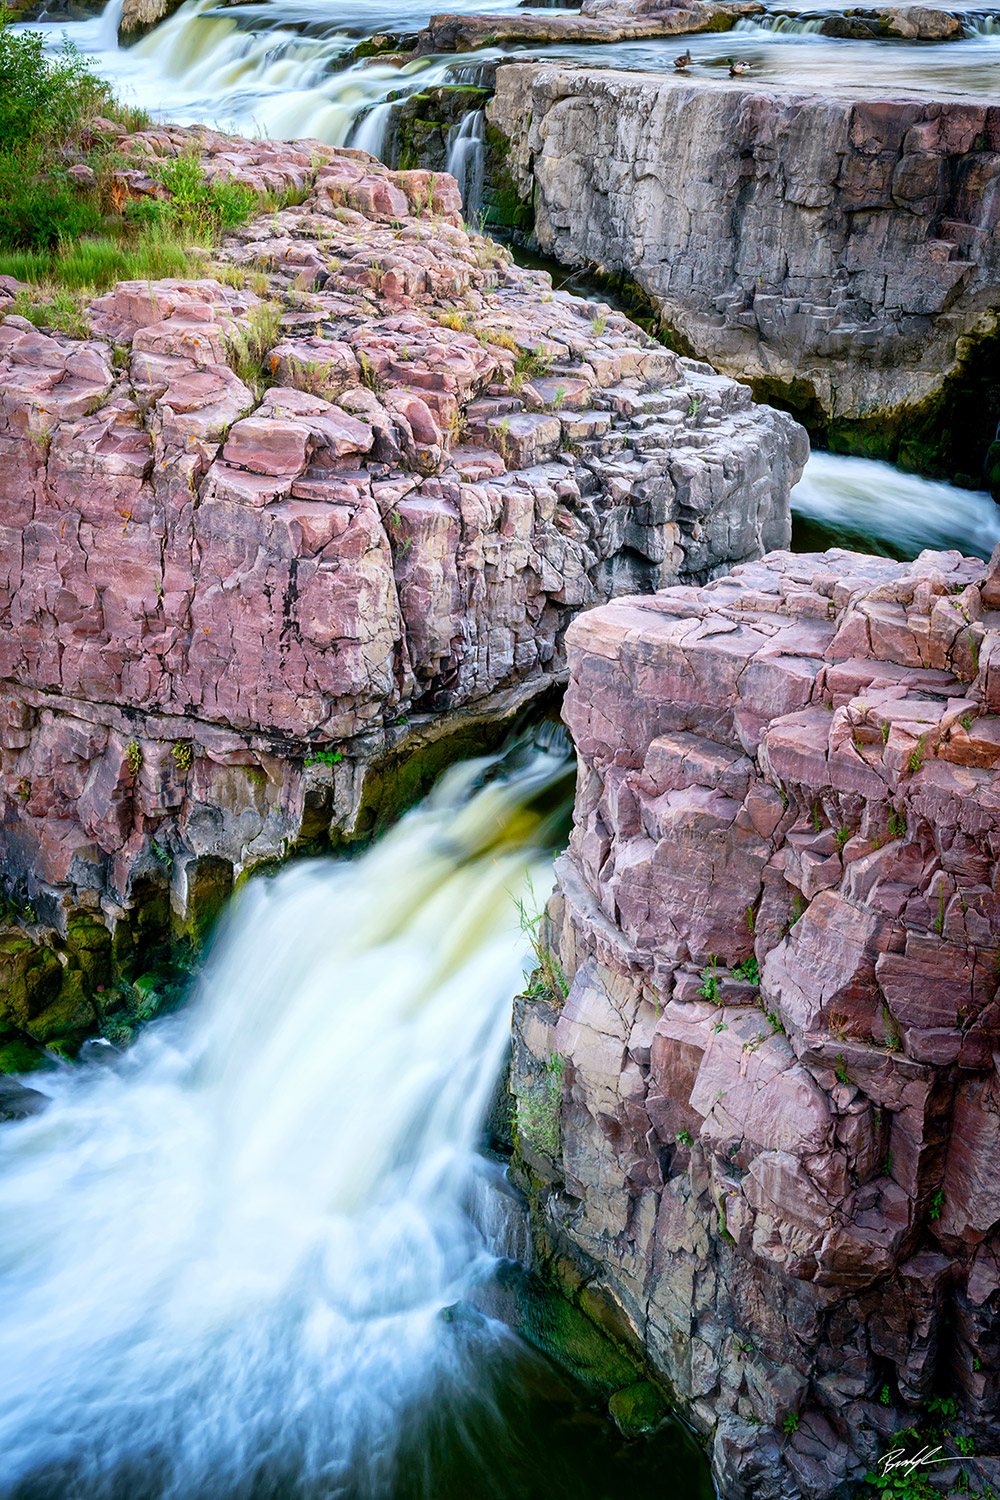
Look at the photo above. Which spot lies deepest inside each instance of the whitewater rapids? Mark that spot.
(225, 1256)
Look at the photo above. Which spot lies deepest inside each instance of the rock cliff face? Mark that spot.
(237, 594)
(842, 253)
(757, 1075)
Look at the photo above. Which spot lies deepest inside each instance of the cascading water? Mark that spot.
(262, 75)
(779, 24)
(466, 143)
(870, 506)
(981, 23)
(224, 1257)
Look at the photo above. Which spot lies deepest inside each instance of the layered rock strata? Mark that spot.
(266, 536)
(756, 1077)
(841, 253)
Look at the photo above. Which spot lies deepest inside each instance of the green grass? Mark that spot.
(99, 262)
(68, 240)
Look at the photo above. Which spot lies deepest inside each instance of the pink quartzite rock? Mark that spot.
(779, 924)
(268, 528)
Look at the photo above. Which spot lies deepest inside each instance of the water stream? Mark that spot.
(225, 1255)
(872, 507)
(279, 68)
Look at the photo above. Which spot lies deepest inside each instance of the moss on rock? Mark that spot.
(637, 1409)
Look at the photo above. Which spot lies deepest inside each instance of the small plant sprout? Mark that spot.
(685, 1138)
(749, 970)
(790, 1424)
(709, 981)
(183, 755)
(917, 754)
(133, 757)
(548, 982)
(842, 836)
(937, 1204)
(324, 758)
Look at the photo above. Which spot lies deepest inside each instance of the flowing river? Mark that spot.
(252, 1256)
(227, 1257)
(280, 68)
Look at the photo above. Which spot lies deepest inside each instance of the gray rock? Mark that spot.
(836, 251)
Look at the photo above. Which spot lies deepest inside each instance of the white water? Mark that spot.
(256, 70)
(466, 147)
(223, 1259)
(789, 25)
(867, 502)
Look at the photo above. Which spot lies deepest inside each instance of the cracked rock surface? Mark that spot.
(214, 572)
(773, 1142)
(839, 247)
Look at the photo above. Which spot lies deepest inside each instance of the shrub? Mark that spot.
(43, 99)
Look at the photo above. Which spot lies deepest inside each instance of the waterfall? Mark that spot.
(369, 133)
(981, 24)
(861, 503)
(212, 66)
(110, 20)
(783, 25)
(225, 1255)
(466, 159)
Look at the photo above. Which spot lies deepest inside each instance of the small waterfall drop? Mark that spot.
(110, 20)
(466, 142)
(227, 1259)
(369, 133)
(782, 25)
(870, 506)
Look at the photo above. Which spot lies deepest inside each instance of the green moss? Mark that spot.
(17, 1056)
(70, 1017)
(637, 1409)
(504, 209)
(546, 1319)
(89, 944)
(209, 887)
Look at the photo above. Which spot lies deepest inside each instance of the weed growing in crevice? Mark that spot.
(548, 981)
(539, 1114)
(249, 344)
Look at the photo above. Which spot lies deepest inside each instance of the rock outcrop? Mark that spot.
(594, 23)
(839, 252)
(140, 16)
(267, 537)
(756, 1076)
